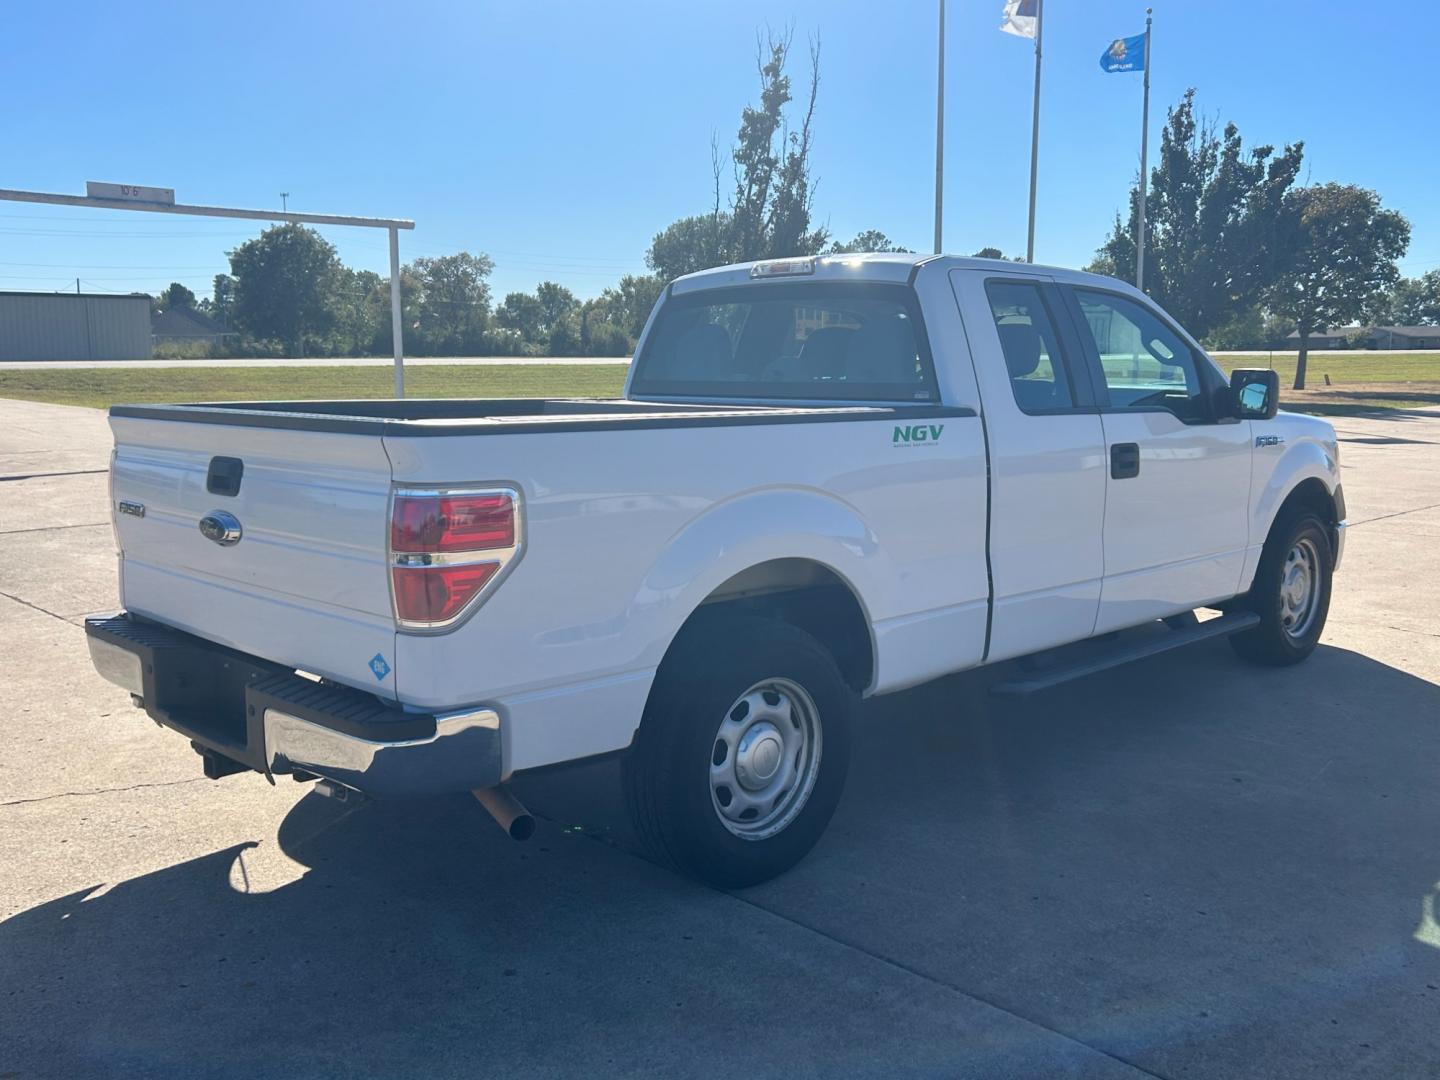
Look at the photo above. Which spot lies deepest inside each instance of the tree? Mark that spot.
(557, 303)
(628, 304)
(286, 282)
(771, 207)
(1411, 302)
(869, 240)
(1211, 220)
(357, 306)
(452, 302)
(377, 308)
(994, 253)
(522, 313)
(222, 301)
(1339, 250)
(175, 296)
(1245, 331)
(691, 244)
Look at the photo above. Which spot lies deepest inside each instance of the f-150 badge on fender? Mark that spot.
(1269, 440)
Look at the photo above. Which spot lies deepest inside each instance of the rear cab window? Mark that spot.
(1039, 376)
(811, 341)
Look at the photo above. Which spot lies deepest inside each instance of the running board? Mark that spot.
(1223, 626)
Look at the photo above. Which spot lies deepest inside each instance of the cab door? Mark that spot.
(1178, 474)
(1047, 461)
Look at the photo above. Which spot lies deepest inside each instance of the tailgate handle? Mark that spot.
(1124, 460)
(224, 476)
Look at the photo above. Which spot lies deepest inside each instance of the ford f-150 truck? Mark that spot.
(829, 478)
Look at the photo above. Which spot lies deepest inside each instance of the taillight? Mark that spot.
(447, 549)
(453, 523)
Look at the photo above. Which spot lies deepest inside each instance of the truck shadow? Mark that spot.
(1174, 862)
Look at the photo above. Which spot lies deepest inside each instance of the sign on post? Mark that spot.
(130, 193)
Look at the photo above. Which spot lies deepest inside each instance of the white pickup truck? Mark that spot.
(828, 479)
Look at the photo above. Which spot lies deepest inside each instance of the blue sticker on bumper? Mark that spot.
(379, 667)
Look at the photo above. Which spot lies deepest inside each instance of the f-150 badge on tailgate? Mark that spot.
(221, 527)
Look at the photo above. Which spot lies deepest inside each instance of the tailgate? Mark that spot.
(305, 584)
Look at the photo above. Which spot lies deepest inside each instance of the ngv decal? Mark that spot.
(916, 433)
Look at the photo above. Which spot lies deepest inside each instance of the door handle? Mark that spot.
(1124, 460)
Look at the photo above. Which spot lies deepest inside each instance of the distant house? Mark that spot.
(182, 324)
(1387, 338)
(1404, 337)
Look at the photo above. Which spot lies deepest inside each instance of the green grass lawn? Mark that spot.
(1360, 382)
(1345, 366)
(101, 387)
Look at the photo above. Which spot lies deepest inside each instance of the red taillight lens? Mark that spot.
(452, 523)
(436, 594)
(446, 548)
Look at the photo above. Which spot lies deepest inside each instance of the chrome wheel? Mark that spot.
(765, 759)
(1300, 588)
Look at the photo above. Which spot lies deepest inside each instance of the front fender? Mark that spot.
(753, 528)
(1308, 456)
(1302, 460)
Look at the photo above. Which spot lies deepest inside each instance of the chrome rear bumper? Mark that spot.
(462, 754)
(261, 716)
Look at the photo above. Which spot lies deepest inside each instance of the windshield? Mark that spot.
(817, 341)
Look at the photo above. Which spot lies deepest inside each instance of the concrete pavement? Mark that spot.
(1188, 867)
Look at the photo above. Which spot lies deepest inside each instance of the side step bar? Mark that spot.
(1223, 626)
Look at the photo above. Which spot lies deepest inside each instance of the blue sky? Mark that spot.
(560, 135)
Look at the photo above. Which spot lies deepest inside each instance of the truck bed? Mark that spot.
(470, 416)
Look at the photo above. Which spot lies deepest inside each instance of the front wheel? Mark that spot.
(742, 752)
(1291, 594)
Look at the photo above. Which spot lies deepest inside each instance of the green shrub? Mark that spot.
(191, 349)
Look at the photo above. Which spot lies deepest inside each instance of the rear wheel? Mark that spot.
(743, 750)
(1291, 594)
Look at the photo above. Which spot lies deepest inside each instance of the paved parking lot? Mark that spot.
(1186, 868)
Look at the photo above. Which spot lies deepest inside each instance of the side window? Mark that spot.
(1145, 363)
(1038, 377)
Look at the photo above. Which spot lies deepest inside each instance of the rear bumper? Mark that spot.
(265, 717)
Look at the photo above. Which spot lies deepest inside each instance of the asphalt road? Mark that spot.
(1187, 868)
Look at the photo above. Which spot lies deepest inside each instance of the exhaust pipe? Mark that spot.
(506, 810)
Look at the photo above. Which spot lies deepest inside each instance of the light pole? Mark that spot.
(1144, 163)
(940, 134)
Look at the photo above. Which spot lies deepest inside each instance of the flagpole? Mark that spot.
(1144, 165)
(1035, 131)
(940, 134)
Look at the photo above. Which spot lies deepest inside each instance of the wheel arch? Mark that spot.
(809, 595)
(1305, 476)
(1314, 495)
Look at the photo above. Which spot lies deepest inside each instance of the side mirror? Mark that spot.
(1254, 393)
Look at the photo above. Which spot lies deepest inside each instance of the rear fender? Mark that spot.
(755, 528)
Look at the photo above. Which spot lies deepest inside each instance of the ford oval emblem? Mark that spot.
(221, 527)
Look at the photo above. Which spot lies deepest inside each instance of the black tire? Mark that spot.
(668, 773)
(1273, 643)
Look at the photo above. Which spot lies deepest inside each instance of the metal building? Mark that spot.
(74, 326)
